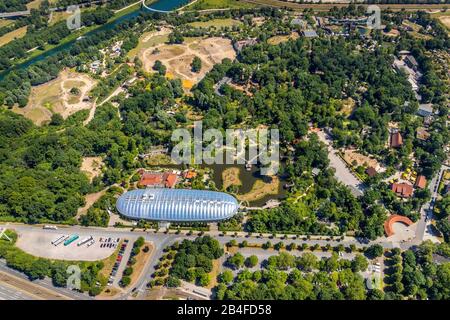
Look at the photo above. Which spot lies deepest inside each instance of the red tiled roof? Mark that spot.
(190, 174)
(151, 179)
(392, 219)
(155, 179)
(421, 182)
(170, 179)
(402, 189)
(371, 171)
(396, 140)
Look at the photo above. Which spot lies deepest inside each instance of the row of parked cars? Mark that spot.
(118, 261)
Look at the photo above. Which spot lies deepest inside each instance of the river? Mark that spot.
(165, 5)
(248, 178)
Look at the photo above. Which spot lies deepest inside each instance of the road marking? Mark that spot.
(29, 283)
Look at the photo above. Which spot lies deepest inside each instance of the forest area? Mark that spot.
(292, 85)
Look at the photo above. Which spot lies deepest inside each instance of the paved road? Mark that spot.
(46, 283)
(426, 211)
(10, 293)
(14, 14)
(162, 240)
(343, 173)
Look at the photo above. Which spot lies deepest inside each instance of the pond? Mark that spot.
(247, 177)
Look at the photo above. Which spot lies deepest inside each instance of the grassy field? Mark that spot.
(218, 23)
(230, 177)
(348, 105)
(280, 39)
(261, 189)
(16, 34)
(59, 16)
(218, 4)
(148, 40)
(34, 4)
(5, 22)
(444, 18)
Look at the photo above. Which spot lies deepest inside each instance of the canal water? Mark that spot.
(164, 5)
(248, 178)
(168, 5)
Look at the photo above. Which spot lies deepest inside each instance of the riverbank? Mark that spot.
(49, 50)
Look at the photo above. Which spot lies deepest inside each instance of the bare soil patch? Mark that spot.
(361, 160)
(178, 57)
(92, 167)
(55, 97)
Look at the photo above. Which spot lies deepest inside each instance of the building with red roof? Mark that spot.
(396, 140)
(402, 189)
(371, 172)
(190, 174)
(158, 179)
(421, 182)
(170, 179)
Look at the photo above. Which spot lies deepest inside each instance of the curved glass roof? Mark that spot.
(181, 205)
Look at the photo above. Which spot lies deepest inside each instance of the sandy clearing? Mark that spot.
(89, 199)
(92, 166)
(445, 20)
(361, 160)
(178, 57)
(55, 97)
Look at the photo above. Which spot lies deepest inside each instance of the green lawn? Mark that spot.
(219, 23)
(218, 4)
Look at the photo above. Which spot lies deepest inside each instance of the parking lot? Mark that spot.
(118, 267)
(39, 243)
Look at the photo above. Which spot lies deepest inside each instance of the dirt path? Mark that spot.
(91, 113)
(90, 200)
(116, 92)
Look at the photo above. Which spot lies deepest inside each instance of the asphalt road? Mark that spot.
(161, 241)
(46, 283)
(426, 211)
(10, 293)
